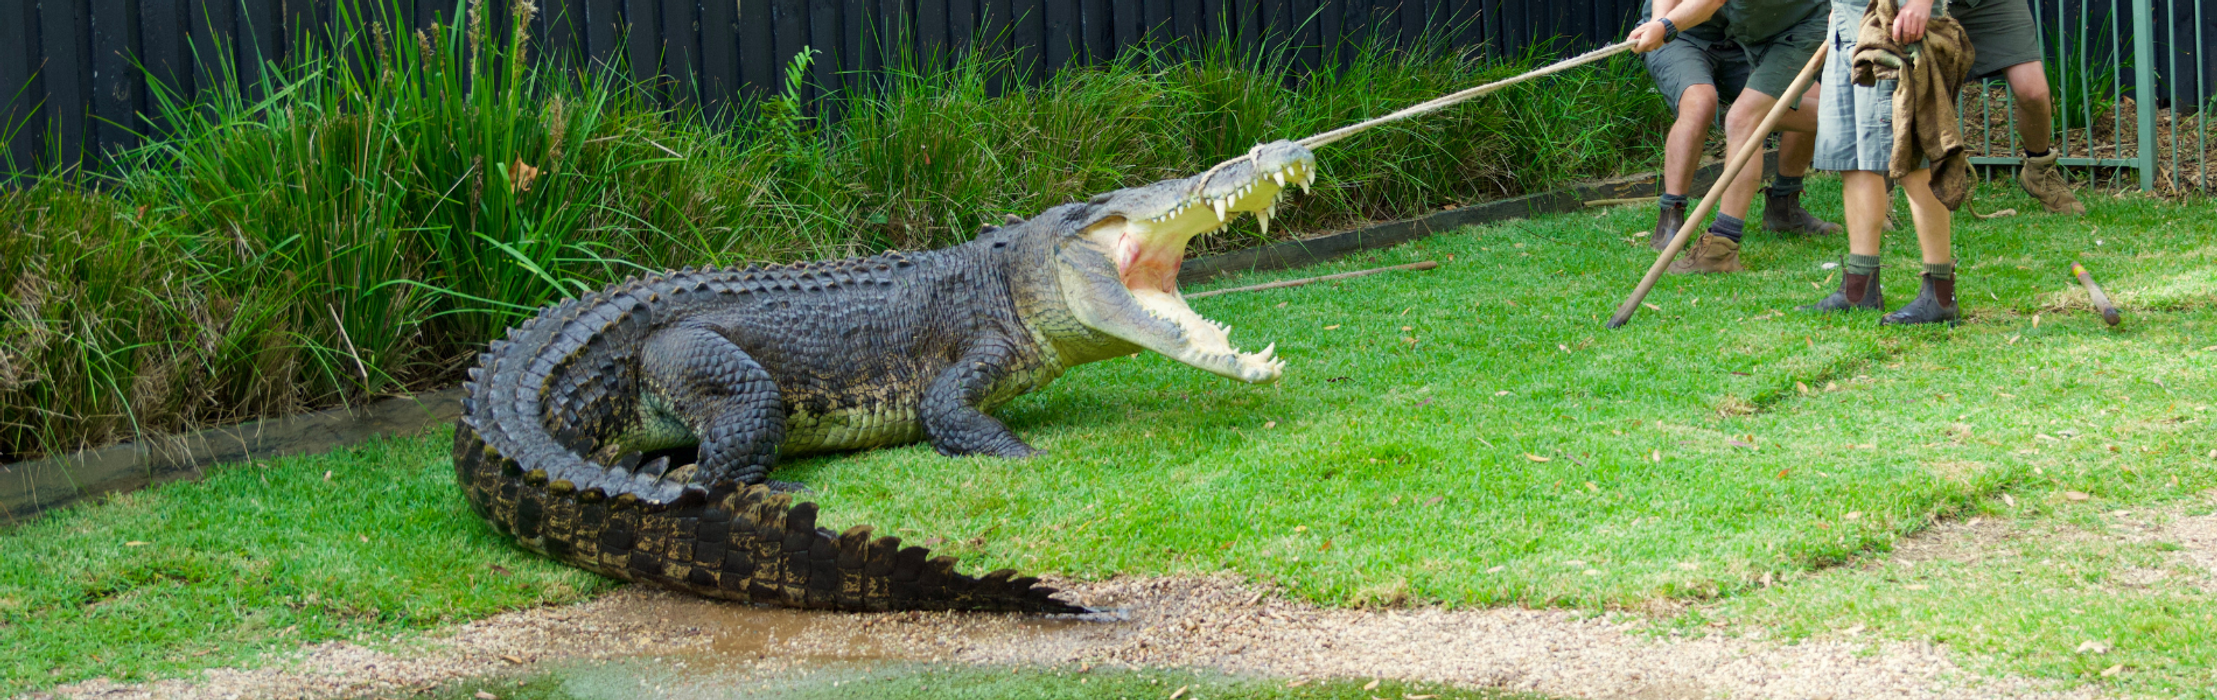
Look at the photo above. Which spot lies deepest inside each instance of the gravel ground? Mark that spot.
(1169, 622)
(1182, 622)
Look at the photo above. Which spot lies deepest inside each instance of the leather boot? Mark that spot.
(1856, 292)
(2040, 179)
(1782, 213)
(1935, 303)
(1709, 253)
(1667, 225)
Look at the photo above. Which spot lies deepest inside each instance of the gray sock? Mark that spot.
(1730, 227)
(1785, 185)
(1862, 264)
(1671, 200)
(1940, 271)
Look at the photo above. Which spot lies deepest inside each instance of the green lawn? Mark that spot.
(1465, 436)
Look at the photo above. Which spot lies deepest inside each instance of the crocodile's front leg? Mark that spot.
(953, 407)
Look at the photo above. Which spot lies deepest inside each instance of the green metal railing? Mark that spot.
(2091, 60)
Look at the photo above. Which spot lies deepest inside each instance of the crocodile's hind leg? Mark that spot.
(953, 408)
(726, 398)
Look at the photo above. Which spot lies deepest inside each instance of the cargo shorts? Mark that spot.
(1704, 56)
(2002, 32)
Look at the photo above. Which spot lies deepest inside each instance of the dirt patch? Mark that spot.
(1214, 623)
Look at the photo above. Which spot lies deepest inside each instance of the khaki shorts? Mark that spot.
(1699, 56)
(1703, 56)
(2002, 32)
(1779, 59)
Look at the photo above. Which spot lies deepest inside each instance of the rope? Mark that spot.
(1440, 103)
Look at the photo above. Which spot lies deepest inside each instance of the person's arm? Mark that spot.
(1651, 35)
(1909, 21)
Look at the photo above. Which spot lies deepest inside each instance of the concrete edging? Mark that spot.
(28, 488)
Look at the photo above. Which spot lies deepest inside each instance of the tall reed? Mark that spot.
(360, 221)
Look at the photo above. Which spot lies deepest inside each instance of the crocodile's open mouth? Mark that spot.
(1149, 251)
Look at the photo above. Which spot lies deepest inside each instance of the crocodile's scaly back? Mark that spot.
(746, 365)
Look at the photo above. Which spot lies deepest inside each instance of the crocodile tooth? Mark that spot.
(1220, 206)
(1279, 177)
(1262, 218)
(1268, 353)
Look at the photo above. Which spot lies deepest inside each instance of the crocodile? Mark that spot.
(571, 424)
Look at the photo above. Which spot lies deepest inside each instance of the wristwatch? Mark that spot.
(1670, 29)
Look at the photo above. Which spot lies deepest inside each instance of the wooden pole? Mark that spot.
(1732, 167)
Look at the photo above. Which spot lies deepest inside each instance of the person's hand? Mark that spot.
(1909, 21)
(1646, 37)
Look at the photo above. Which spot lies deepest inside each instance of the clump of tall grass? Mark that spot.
(360, 221)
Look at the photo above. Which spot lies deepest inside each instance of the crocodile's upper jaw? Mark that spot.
(1143, 231)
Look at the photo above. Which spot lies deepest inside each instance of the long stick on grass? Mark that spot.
(1732, 167)
(1439, 103)
(1426, 265)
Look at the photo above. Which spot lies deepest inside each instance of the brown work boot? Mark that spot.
(2040, 178)
(1709, 253)
(1782, 213)
(1667, 225)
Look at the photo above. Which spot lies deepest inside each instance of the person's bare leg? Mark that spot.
(1934, 221)
(1782, 210)
(2035, 112)
(1697, 109)
(1866, 199)
(2036, 126)
(1864, 196)
(1935, 302)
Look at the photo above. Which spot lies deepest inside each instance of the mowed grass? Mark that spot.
(1465, 436)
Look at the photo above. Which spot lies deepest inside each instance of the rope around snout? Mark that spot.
(1452, 99)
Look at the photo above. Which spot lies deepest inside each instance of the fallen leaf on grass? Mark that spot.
(1297, 683)
(1406, 696)
(1503, 392)
(1536, 458)
(1652, 307)
(2093, 647)
(512, 658)
(1332, 327)
(1179, 694)
(1496, 569)
(1803, 389)
(326, 475)
(2113, 670)
(1372, 685)
(1268, 424)
(482, 695)
(1995, 215)
(1435, 500)
(2075, 496)
(1735, 442)
(2006, 499)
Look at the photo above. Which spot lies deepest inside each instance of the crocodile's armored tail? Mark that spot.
(539, 402)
